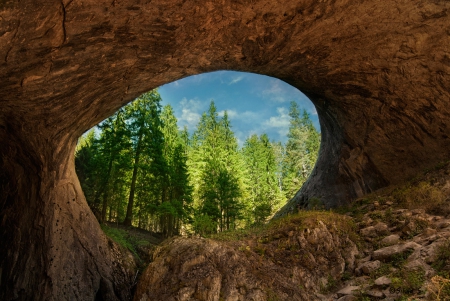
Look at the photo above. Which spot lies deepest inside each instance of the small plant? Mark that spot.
(420, 196)
(439, 288)
(120, 237)
(346, 276)
(204, 225)
(384, 269)
(388, 216)
(408, 282)
(399, 259)
(271, 295)
(330, 284)
(442, 262)
(376, 215)
(361, 297)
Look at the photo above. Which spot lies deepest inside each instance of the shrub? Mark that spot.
(421, 196)
(439, 288)
(204, 225)
(120, 237)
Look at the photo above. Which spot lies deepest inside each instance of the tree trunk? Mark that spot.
(106, 190)
(129, 215)
(52, 246)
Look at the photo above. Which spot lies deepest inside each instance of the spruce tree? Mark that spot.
(145, 127)
(301, 150)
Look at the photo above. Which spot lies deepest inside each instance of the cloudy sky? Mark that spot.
(255, 104)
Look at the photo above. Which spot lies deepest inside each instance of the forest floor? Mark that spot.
(139, 242)
(391, 245)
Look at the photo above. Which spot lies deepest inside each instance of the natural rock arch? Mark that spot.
(378, 74)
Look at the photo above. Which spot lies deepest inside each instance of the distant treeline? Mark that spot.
(138, 168)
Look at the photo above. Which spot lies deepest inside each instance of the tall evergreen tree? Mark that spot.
(175, 206)
(141, 169)
(265, 195)
(145, 126)
(214, 167)
(301, 150)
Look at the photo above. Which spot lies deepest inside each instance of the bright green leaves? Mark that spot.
(301, 151)
(214, 164)
(264, 195)
(139, 169)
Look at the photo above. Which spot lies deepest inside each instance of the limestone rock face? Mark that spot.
(378, 73)
(295, 266)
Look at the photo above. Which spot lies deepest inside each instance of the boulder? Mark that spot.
(370, 266)
(390, 240)
(388, 252)
(381, 228)
(348, 290)
(383, 281)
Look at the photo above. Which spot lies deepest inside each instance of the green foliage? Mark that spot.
(264, 195)
(120, 237)
(301, 151)
(215, 165)
(408, 282)
(331, 284)
(204, 224)
(423, 196)
(442, 262)
(138, 169)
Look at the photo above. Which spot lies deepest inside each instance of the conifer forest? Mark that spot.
(139, 169)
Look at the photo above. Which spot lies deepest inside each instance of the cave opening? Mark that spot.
(207, 153)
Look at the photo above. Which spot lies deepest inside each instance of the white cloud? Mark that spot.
(194, 104)
(278, 98)
(190, 113)
(278, 91)
(232, 114)
(236, 79)
(279, 122)
(249, 116)
(275, 91)
(246, 116)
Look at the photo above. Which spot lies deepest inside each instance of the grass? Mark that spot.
(421, 196)
(442, 263)
(124, 239)
(330, 285)
(422, 192)
(408, 282)
(439, 288)
(281, 227)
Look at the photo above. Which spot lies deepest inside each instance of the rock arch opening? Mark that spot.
(153, 163)
(381, 88)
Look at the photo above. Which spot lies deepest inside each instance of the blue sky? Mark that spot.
(256, 104)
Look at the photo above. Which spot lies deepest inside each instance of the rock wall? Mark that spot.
(378, 74)
(283, 265)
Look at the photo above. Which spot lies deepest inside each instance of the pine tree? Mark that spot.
(87, 166)
(145, 126)
(265, 195)
(213, 162)
(175, 206)
(301, 150)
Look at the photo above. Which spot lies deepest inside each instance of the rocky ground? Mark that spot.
(392, 245)
(402, 254)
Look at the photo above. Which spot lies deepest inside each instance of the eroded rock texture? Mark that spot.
(284, 265)
(378, 73)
